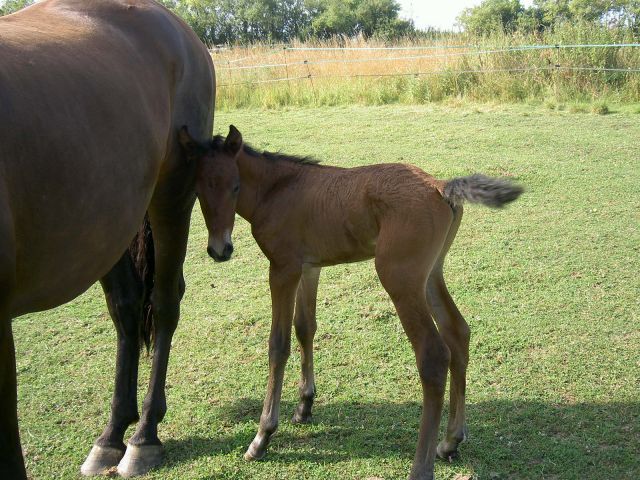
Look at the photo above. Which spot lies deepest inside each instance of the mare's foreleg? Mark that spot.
(284, 283)
(304, 322)
(123, 291)
(11, 461)
(170, 224)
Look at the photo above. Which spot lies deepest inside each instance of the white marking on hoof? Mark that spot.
(100, 460)
(138, 460)
(252, 456)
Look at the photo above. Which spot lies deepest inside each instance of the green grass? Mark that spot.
(549, 287)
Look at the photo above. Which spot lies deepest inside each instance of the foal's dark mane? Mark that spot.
(218, 141)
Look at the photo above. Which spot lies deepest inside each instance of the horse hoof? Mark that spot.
(138, 460)
(301, 419)
(253, 455)
(447, 451)
(101, 460)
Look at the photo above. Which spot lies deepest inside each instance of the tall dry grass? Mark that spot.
(480, 69)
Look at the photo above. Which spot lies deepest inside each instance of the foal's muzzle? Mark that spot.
(226, 253)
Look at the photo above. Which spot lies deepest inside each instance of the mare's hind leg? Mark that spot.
(11, 461)
(404, 257)
(455, 332)
(170, 225)
(123, 291)
(304, 322)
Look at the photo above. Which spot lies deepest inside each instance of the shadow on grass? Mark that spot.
(508, 439)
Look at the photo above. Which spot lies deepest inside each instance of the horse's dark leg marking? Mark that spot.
(11, 461)
(305, 325)
(284, 283)
(123, 292)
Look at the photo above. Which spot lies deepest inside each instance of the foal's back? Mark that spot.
(334, 215)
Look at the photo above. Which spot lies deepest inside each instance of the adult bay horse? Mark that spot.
(92, 94)
(306, 216)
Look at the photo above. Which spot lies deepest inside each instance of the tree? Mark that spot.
(355, 17)
(491, 16)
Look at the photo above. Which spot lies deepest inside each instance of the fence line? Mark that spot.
(418, 57)
(438, 72)
(446, 47)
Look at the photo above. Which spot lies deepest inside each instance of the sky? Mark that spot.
(437, 13)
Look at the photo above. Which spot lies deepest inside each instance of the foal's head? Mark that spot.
(217, 187)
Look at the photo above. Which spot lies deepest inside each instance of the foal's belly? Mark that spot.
(326, 250)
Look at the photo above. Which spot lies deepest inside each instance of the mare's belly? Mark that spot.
(53, 266)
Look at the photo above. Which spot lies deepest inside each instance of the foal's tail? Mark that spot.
(490, 191)
(142, 254)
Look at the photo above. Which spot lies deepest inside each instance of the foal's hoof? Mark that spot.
(258, 448)
(301, 418)
(101, 460)
(253, 455)
(138, 460)
(446, 453)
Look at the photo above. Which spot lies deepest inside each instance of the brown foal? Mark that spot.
(305, 216)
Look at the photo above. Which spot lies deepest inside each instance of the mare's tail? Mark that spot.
(489, 191)
(142, 254)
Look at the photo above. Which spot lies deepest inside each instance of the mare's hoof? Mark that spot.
(138, 460)
(101, 460)
(300, 418)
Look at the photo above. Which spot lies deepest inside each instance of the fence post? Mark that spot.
(286, 67)
(313, 88)
(557, 74)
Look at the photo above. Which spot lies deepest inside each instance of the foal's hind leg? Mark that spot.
(403, 261)
(304, 322)
(455, 332)
(123, 291)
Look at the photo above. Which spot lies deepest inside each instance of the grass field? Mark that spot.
(549, 286)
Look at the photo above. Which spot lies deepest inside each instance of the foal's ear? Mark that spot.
(192, 148)
(233, 142)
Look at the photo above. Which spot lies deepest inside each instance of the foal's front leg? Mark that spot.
(283, 281)
(304, 322)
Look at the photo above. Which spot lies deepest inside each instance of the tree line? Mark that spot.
(275, 21)
(510, 16)
(280, 21)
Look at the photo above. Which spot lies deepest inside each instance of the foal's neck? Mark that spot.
(257, 177)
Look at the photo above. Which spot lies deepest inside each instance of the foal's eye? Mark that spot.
(236, 189)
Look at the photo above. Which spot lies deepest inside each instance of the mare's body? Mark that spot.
(91, 97)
